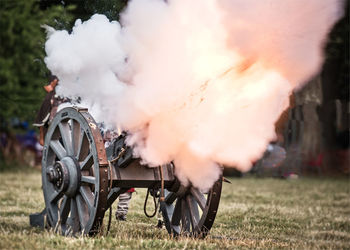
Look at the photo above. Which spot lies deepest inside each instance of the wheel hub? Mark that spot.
(65, 176)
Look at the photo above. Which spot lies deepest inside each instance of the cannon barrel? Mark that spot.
(128, 172)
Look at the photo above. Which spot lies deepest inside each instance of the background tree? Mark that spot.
(317, 131)
(22, 70)
(110, 8)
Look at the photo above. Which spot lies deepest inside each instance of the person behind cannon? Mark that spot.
(48, 108)
(123, 205)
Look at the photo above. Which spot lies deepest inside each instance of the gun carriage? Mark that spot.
(81, 179)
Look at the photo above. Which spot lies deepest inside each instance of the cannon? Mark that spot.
(81, 179)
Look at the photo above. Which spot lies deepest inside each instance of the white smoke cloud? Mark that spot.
(204, 81)
(286, 35)
(88, 61)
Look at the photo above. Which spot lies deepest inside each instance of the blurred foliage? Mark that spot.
(22, 69)
(84, 9)
(337, 53)
(110, 8)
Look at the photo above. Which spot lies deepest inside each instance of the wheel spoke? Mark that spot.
(87, 162)
(88, 179)
(193, 210)
(73, 219)
(175, 219)
(58, 149)
(83, 148)
(75, 135)
(170, 198)
(83, 212)
(55, 196)
(87, 196)
(66, 137)
(185, 218)
(199, 197)
(64, 209)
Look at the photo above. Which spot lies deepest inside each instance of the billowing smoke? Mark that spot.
(200, 83)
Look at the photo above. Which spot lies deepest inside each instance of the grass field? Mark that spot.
(253, 213)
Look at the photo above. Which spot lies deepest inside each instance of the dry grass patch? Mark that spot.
(253, 213)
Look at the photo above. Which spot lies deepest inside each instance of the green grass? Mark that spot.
(253, 213)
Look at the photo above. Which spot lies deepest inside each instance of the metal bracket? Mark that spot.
(80, 109)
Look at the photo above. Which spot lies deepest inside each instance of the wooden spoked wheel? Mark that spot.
(74, 173)
(190, 212)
